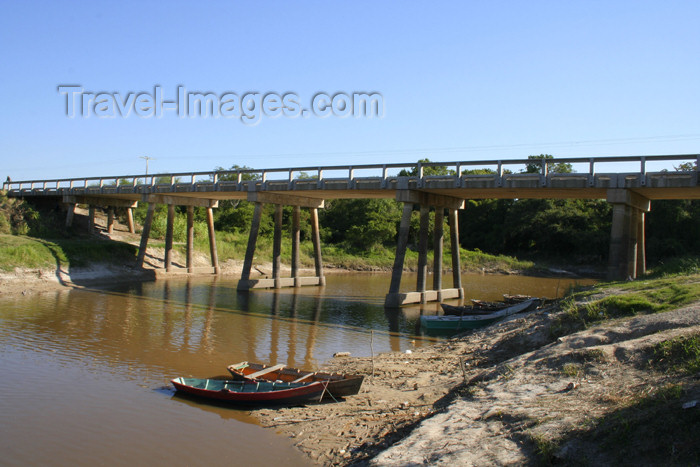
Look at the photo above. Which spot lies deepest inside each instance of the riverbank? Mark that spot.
(536, 388)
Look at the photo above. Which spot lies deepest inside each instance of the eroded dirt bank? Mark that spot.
(520, 400)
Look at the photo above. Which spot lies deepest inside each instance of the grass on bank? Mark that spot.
(35, 253)
(649, 422)
(613, 300)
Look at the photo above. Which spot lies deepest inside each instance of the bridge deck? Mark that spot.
(657, 185)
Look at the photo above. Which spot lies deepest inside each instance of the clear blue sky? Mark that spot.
(460, 81)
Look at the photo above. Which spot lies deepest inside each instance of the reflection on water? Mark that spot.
(85, 371)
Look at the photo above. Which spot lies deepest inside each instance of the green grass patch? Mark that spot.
(545, 448)
(685, 265)
(572, 369)
(25, 252)
(33, 253)
(623, 299)
(681, 354)
(478, 260)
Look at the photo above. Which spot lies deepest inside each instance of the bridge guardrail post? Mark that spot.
(499, 182)
(458, 175)
(544, 173)
(643, 171)
(351, 178)
(320, 182)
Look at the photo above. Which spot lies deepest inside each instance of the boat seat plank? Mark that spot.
(302, 378)
(266, 370)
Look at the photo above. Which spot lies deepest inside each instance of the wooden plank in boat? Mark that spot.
(266, 370)
(298, 380)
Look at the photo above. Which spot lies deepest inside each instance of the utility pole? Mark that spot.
(147, 159)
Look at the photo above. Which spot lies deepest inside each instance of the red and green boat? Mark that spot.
(251, 392)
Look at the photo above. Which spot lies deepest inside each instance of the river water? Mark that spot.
(84, 373)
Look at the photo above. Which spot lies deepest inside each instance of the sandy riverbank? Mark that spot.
(520, 394)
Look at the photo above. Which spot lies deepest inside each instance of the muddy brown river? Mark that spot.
(84, 373)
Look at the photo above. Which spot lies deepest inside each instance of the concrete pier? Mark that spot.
(277, 281)
(425, 201)
(627, 249)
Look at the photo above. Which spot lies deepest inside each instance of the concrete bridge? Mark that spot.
(630, 186)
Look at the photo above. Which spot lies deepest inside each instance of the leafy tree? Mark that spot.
(686, 167)
(361, 223)
(235, 215)
(427, 171)
(536, 167)
(558, 228)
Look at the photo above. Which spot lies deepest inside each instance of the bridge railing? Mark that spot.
(417, 171)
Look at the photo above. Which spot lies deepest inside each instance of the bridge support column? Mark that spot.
(212, 241)
(70, 213)
(91, 219)
(277, 246)
(395, 298)
(627, 258)
(110, 220)
(250, 250)
(454, 249)
(438, 233)
(316, 239)
(168, 260)
(130, 219)
(144, 234)
(423, 251)
(296, 237)
(190, 239)
(641, 244)
(276, 282)
(392, 298)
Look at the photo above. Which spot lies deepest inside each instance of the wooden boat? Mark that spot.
(339, 385)
(250, 392)
(465, 322)
(475, 309)
(480, 307)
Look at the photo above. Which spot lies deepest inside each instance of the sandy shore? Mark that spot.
(491, 397)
